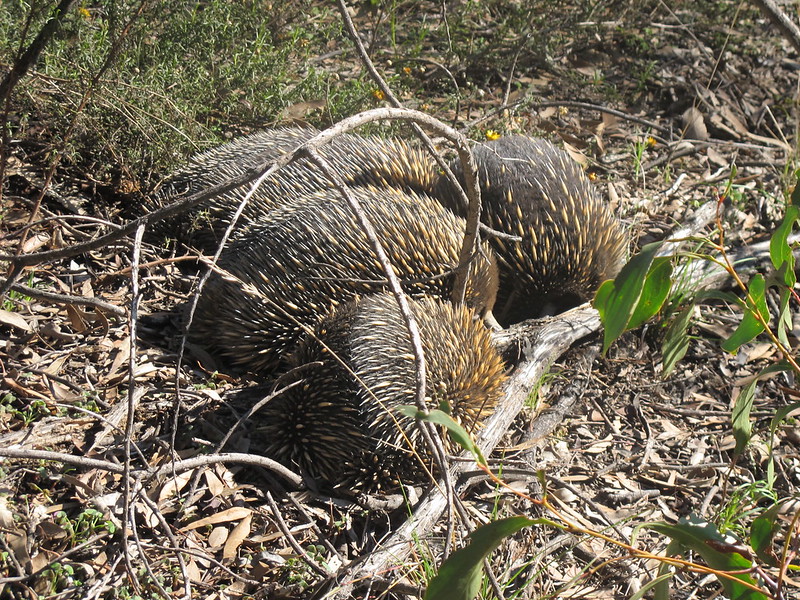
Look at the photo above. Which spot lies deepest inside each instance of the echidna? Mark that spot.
(298, 263)
(340, 424)
(359, 161)
(571, 241)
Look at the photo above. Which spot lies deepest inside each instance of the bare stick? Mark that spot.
(314, 565)
(66, 299)
(134, 395)
(179, 467)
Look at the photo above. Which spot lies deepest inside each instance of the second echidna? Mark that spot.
(286, 272)
(359, 161)
(571, 241)
(339, 424)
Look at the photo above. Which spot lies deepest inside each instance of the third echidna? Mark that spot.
(339, 424)
(571, 241)
(286, 272)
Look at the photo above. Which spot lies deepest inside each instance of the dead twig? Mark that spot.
(67, 299)
(179, 467)
(781, 20)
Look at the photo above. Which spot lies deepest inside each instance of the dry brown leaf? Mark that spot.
(759, 351)
(299, 111)
(234, 590)
(218, 536)
(76, 319)
(55, 367)
(87, 291)
(226, 516)
(235, 539)
(578, 156)
(214, 483)
(192, 543)
(548, 112)
(149, 515)
(61, 392)
(34, 242)
(174, 485)
(694, 123)
(15, 320)
(120, 360)
(194, 572)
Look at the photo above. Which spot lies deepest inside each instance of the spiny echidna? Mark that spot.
(339, 424)
(298, 263)
(571, 241)
(359, 161)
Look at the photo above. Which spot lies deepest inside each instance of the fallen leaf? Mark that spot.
(235, 539)
(218, 536)
(230, 514)
(13, 319)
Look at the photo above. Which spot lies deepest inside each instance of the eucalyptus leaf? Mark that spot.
(719, 553)
(617, 299)
(459, 577)
(457, 433)
(750, 326)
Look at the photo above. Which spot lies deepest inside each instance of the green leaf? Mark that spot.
(617, 299)
(457, 433)
(655, 584)
(762, 535)
(796, 191)
(459, 578)
(783, 323)
(719, 553)
(779, 250)
(676, 340)
(783, 412)
(750, 326)
(718, 295)
(740, 416)
(656, 288)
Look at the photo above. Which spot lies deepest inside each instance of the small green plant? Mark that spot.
(13, 299)
(88, 523)
(745, 503)
(28, 413)
(298, 572)
(61, 576)
(644, 76)
(743, 538)
(211, 382)
(640, 145)
(124, 593)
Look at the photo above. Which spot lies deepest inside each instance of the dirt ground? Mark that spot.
(669, 108)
